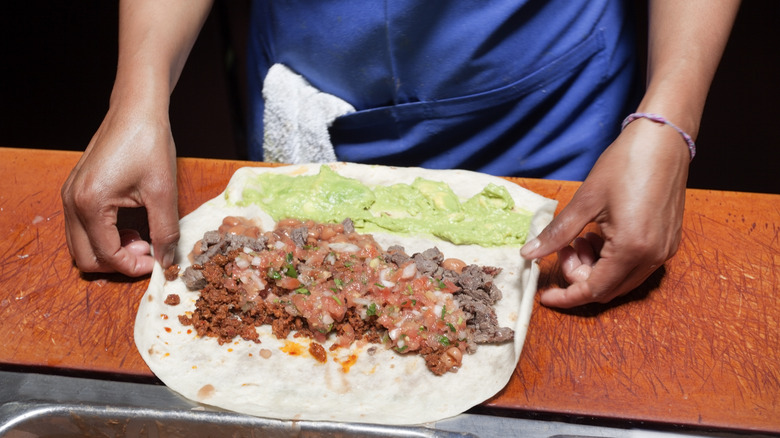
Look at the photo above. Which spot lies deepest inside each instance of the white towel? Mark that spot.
(297, 117)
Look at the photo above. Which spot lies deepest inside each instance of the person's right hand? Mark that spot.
(130, 162)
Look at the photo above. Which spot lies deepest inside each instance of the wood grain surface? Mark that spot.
(698, 344)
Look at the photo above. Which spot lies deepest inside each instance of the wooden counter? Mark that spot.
(698, 344)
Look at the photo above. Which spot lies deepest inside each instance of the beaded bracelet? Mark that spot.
(660, 119)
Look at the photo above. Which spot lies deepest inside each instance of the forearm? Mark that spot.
(155, 38)
(685, 43)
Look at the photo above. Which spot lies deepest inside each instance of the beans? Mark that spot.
(452, 357)
(239, 226)
(231, 221)
(453, 264)
(327, 233)
(288, 223)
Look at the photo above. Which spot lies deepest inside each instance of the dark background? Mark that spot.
(58, 60)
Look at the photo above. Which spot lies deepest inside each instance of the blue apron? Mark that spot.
(533, 88)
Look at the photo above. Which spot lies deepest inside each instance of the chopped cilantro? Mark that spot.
(274, 274)
(290, 271)
(325, 330)
(371, 310)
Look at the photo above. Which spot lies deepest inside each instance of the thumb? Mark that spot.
(163, 225)
(562, 230)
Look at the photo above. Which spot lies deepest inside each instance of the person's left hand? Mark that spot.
(636, 194)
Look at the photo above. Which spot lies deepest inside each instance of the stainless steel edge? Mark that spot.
(38, 405)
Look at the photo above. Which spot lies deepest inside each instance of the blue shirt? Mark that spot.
(531, 88)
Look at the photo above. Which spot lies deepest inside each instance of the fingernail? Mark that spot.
(530, 247)
(127, 236)
(170, 253)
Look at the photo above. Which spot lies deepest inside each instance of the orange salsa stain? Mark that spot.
(347, 363)
(163, 316)
(206, 391)
(168, 329)
(293, 349)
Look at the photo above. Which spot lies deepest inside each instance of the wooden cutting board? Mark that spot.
(698, 344)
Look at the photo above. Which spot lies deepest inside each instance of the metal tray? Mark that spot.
(41, 405)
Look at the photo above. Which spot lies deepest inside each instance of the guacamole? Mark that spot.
(489, 218)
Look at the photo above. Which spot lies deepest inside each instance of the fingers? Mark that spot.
(163, 224)
(563, 228)
(106, 249)
(132, 241)
(578, 259)
(594, 278)
(98, 246)
(597, 288)
(91, 207)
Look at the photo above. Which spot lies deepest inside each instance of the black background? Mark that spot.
(58, 60)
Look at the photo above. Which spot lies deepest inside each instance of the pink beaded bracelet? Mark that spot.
(660, 119)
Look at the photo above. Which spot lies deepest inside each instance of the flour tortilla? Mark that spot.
(382, 388)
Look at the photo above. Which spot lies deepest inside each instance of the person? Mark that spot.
(389, 59)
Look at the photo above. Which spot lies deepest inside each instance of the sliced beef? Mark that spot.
(397, 254)
(239, 242)
(300, 235)
(483, 321)
(478, 282)
(194, 278)
(349, 226)
(214, 243)
(429, 262)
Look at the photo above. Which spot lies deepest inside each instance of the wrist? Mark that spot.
(660, 119)
(147, 92)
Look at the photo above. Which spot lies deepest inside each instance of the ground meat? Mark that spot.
(435, 364)
(172, 272)
(318, 352)
(172, 300)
